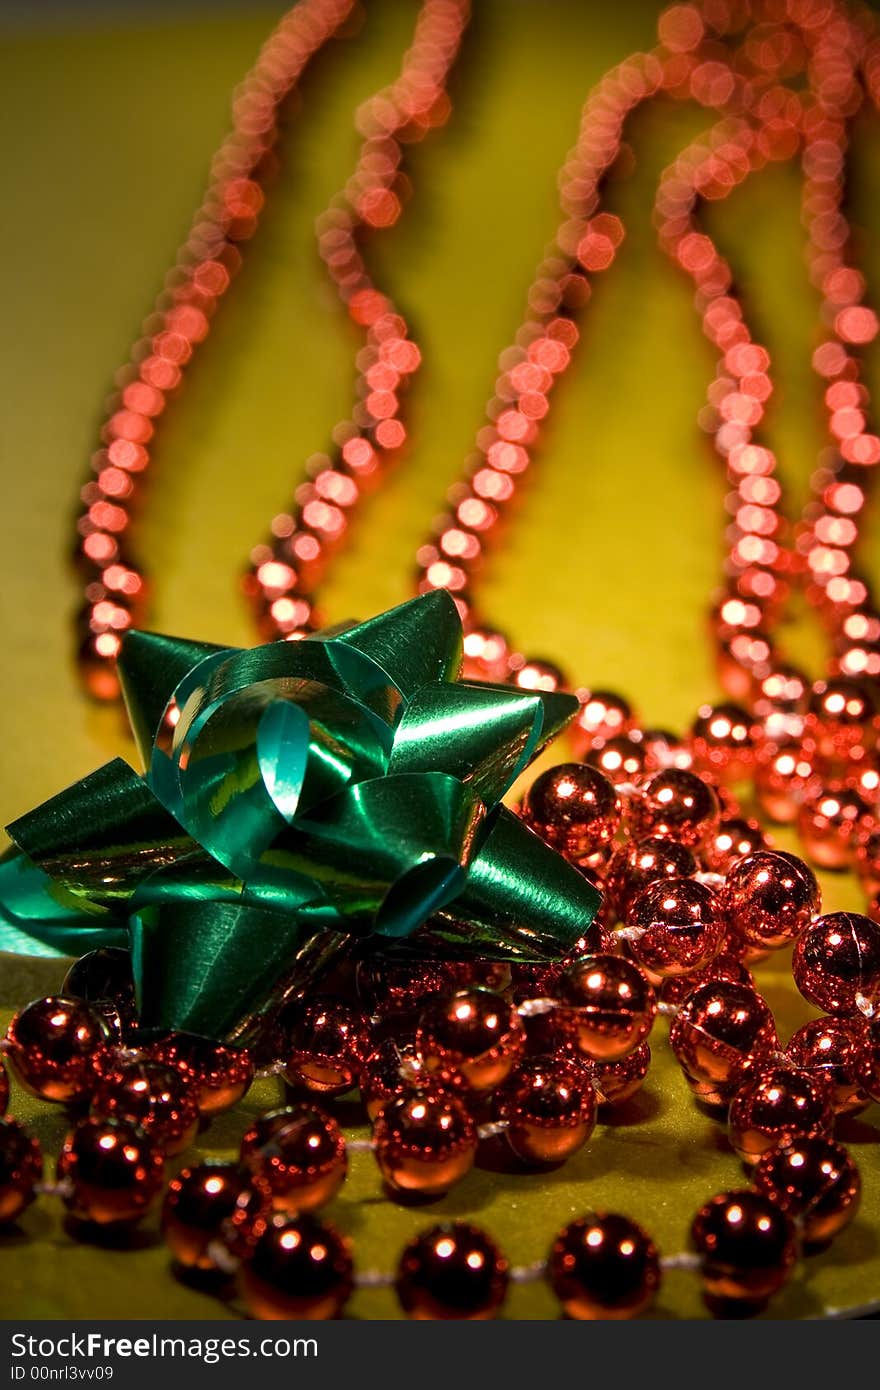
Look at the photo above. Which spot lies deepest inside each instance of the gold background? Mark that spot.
(108, 122)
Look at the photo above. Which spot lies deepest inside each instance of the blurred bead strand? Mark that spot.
(286, 569)
(766, 120)
(114, 582)
(815, 749)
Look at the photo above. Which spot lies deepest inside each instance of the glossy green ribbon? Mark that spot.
(297, 796)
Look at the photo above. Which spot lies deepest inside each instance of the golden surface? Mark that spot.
(108, 128)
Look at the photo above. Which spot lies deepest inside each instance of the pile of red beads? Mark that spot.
(446, 1055)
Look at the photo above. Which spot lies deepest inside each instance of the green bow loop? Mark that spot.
(484, 737)
(270, 750)
(416, 644)
(99, 840)
(216, 969)
(37, 918)
(298, 796)
(523, 896)
(391, 851)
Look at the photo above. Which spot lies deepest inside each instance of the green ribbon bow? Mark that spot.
(297, 796)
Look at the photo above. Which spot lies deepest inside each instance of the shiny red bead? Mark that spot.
(641, 862)
(836, 963)
(720, 1034)
(723, 967)
(103, 979)
(58, 1048)
(160, 1099)
(452, 1271)
(840, 716)
(297, 1267)
(326, 1047)
(867, 861)
(424, 1143)
(297, 1156)
(783, 772)
(208, 1205)
(682, 927)
(831, 820)
(622, 760)
(604, 1266)
(114, 1171)
(219, 1075)
(815, 1181)
(775, 1104)
(746, 1246)
(602, 715)
(871, 1077)
(836, 1048)
(675, 804)
(473, 1035)
(21, 1168)
(549, 1105)
(392, 1069)
(770, 898)
(617, 1082)
(607, 1007)
(574, 808)
(391, 988)
(723, 742)
(735, 838)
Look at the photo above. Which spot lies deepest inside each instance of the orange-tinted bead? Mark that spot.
(867, 861)
(297, 1155)
(641, 862)
(777, 1103)
(830, 822)
(721, 1033)
(424, 1143)
(617, 1082)
(220, 1075)
(451, 1271)
(297, 1267)
(211, 1203)
(21, 1168)
(574, 808)
(836, 1048)
(682, 927)
(735, 838)
(723, 741)
(836, 963)
(607, 1007)
(623, 759)
(160, 1099)
(392, 1069)
(549, 1105)
(675, 804)
(473, 1035)
(746, 1246)
(602, 715)
(783, 772)
(770, 898)
(840, 716)
(815, 1181)
(114, 1171)
(603, 1266)
(58, 1048)
(326, 1047)
(724, 967)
